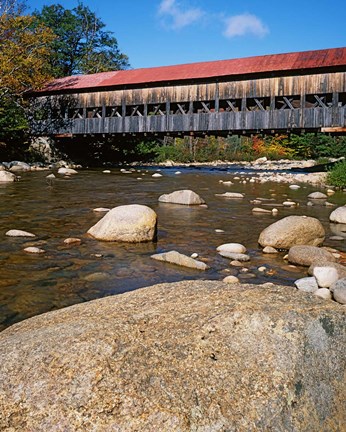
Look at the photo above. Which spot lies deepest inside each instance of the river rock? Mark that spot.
(317, 195)
(293, 230)
(231, 195)
(338, 215)
(261, 210)
(231, 279)
(172, 358)
(19, 233)
(339, 283)
(325, 276)
(67, 171)
(7, 177)
(341, 269)
(339, 291)
(235, 256)
(323, 293)
(19, 166)
(269, 250)
(185, 197)
(232, 247)
(174, 257)
(128, 223)
(34, 250)
(72, 240)
(307, 284)
(305, 255)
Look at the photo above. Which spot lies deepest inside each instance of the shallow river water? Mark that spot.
(63, 207)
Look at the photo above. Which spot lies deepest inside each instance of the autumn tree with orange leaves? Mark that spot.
(24, 64)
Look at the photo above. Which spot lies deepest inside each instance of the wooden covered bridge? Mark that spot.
(304, 91)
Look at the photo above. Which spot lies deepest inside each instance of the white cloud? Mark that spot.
(240, 25)
(178, 17)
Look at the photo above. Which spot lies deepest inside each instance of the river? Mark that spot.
(55, 209)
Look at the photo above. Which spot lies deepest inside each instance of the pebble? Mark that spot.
(156, 175)
(294, 187)
(177, 172)
(231, 195)
(50, 176)
(262, 269)
(72, 240)
(230, 279)
(194, 255)
(260, 210)
(289, 204)
(19, 233)
(106, 171)
(219, 231)
(323, 293)
(34, 250)
(232, 248)
(270, 250)
(317, 195)
(101, 209)
(235, 256)
(236, 263)
(336, 238)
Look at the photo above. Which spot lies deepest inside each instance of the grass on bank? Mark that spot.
(337, 175)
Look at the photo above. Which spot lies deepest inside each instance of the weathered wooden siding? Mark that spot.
(306, 101)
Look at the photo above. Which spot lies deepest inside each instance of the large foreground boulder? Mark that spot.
(291, 231)
(7, 177)
(186, 197)
(189, 356)
(128, 223)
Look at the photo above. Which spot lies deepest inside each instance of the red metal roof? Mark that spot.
(194, 71)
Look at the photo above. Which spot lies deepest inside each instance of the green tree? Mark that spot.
(82, 45)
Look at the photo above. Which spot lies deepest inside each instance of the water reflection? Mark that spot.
(69, 274)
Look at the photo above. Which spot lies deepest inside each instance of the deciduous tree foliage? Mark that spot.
(24, 53)
(82, 45)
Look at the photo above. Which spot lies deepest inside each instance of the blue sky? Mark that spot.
(168, 32)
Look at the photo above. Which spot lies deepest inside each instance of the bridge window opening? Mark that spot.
(205, 107)
(258, 104)
(134, 110)
(156, 109)
(113, 111)
(75, 113)
(230, 105)
(181, 108)
(288, 102)
(94, 112)
(319, 100)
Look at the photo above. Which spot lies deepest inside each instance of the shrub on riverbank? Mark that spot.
(337, 175)
(235, 148)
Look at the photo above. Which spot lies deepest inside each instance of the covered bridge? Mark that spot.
(302, 91)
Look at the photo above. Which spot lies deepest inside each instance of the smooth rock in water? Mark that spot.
(307, 284)
(294, 187)
(96, 277)
(336, 238)
(270, 250)
(101, 209)
(323, 293)
(317, 195)
(156, 175)
(289, 204)
(194, 255)
(174, 257)
(325, 276)
(231, 195)
(293, 230)
(34, 250)
(230, 279)
(219, 231)
(128, 223)
(341, 269)
(235, 256)
(171, 358)
(106, 171)
(7, 177)
(185, 197)
(19, 233)
(20, 166)
(177, 172)
(260, 210)
(67, 171)
(236, 263)
(232, 247)
(72, 240)
(50, 176)
(305, 255)
(338, 215)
